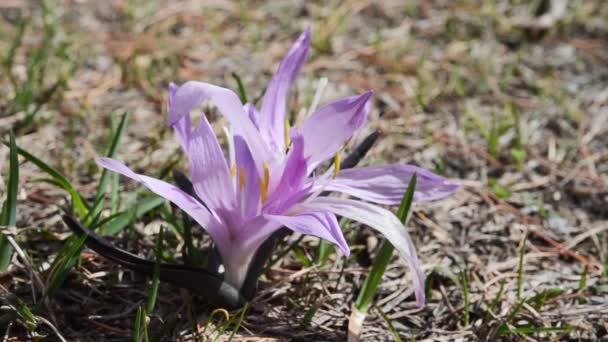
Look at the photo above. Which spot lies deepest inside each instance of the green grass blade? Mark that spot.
(529, 330)
(390, 324)
(323, 252)
(105, 176)
(241, 88)
(10, 58)
(239, 321)
(78, 202)
(282, 254)
(301, 255)
(498, 297)
(582, 285)
(138, 320)
(155, 278)
(64, 262)
(325, 247)
(539, 300)
(175, 227)
(9, 208)
(309, 315)
(114, 195)
(465, 291)
(121, 221)
(520, 272)
(374, 277)
(370, 286)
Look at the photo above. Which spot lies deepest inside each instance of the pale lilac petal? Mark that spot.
(183, 126)
(172, 193)
(249, 190)
(381, 220)
(387, 184)
(294, 172)
(208, 168)
(273, 109)
(321, 224)
(292, 179)
(238, 256)
(254, 115)
(326, 130)
(192, 94)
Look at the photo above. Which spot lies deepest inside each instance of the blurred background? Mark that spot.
(508, 97)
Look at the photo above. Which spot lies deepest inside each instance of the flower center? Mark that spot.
(264, 181)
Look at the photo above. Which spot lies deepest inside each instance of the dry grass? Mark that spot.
(518, 114)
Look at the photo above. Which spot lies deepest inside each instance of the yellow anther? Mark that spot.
(287, 139)
(263, 191)
(266, 175)
(264, 183)
(233, 171)
(337, 163)
(242, 177)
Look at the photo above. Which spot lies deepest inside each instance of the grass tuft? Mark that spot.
(9, 208)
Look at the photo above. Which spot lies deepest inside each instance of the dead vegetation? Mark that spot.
(480, 91)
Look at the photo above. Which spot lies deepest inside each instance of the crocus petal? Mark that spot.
(236, 260)
(273, 104)
(254, 115)
(321, 224)
(289, 188)
(248, 184)
(210, 173)
(293, 173)
(183, 126)
(326, 130)
(381, 220)
(386, 184)
(238, 256)
(172, 193)
(191, 94)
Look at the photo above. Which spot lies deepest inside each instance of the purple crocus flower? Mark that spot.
(268, 180)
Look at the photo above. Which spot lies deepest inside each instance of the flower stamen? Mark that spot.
(287, 139)
(242, 178)
(337, 163)
(264, 183)
(233, 171)
(266, 174)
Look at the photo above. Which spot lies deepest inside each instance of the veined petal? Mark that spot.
(248, 184)
(321, 224)
(183, 126)
(381, 220)
(293, 173)
(236, 261)
(272, 118)
(191, 94)
(326, 130)
(238, 256)
(386, 184)
(175, 195)
(210, 173)
(254, 115)
(291, 181)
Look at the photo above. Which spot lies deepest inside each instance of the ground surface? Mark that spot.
(478, 91)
